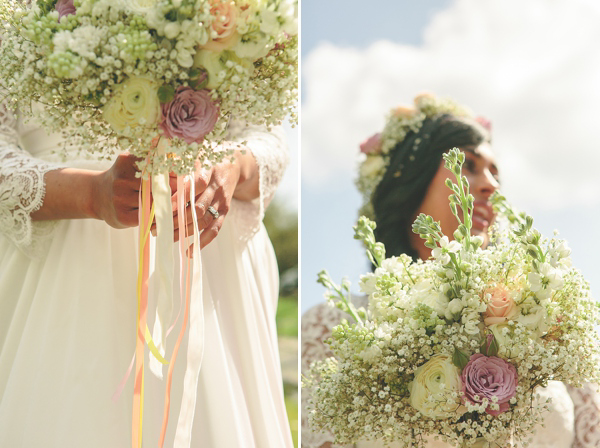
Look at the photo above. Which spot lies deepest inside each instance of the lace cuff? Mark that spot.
(270, 151)
(21, 190)
(317, 325)
(587, 416)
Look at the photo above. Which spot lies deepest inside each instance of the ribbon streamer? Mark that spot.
(164, 262)
(142, 308)
(183, 434)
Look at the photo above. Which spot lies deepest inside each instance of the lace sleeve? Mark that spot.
(587, 416)
(317, 325)
(271, 154)
(21, 189)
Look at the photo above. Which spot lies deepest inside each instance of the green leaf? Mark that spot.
(459, 358)
(166, 93)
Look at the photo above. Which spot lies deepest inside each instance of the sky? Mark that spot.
(532, 68)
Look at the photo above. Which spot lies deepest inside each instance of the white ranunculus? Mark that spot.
(433, 384)
(136, 103)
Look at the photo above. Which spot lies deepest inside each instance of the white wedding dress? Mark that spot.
(573, 419)
(68, 313)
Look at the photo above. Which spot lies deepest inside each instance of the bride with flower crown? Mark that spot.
(410, 182)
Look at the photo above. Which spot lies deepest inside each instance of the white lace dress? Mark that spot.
(68, 313)
(573, 420)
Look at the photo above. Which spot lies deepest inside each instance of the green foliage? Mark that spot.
(287, 316)
(282, 226)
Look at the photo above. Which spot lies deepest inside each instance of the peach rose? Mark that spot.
(224, 24)
(404, 111)
(423, 96)
(501, 307)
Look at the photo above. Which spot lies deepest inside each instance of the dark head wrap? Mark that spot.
(413, 164)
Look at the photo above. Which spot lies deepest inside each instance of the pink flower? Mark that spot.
(501, 307)
(65, 8)
(225, 15)
(190, 115)
(487, 124)
(487, 377)
(372, 145)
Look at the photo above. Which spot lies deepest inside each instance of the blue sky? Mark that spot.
(534, 74)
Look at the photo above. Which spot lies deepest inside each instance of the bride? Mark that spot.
(68, 266)
(413, 183)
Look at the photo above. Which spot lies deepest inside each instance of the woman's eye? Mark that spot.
(470, 165)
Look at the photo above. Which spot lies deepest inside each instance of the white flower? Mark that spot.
(446, 247)
(140, 6)
(135, 104)
(533, 316)
(372, 166)
(545, 281)
(252, 46)
(454, 307)
(211, 62)
(436, 300)
(432, 388)
(368, 283)
(289, 17)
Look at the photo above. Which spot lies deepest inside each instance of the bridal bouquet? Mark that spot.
(455, 347)
(160, 79)
(124, 73)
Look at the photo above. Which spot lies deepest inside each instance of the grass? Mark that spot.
(287, 327)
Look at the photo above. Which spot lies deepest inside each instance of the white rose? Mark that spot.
(431, 389)
(372, 166)
(136, 103)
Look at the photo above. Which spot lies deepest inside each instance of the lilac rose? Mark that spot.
(190, 115)
(487, 377)
(65, 8)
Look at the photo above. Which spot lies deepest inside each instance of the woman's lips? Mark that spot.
(483, 214)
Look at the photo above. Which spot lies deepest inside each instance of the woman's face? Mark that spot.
(482, 173)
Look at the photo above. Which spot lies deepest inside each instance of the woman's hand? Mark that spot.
(116, 193)
(110, 195)
(216, 187)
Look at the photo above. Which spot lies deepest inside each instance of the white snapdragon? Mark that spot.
(446, 247)
(547, 279)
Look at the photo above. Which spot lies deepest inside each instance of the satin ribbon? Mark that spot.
(190, 294)
(142, 308)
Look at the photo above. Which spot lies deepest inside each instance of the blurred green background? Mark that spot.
(282, 226)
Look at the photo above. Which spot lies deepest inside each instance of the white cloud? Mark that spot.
(532, 67)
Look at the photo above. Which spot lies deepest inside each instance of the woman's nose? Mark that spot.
(486, 184)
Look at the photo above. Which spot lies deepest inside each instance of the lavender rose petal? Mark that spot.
(487, 377)
(190, 115)
(65, 8)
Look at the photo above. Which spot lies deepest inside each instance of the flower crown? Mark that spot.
(400, 122)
